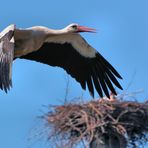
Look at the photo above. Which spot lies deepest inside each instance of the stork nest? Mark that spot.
(73, 123)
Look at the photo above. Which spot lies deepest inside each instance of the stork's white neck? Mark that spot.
(57, 32)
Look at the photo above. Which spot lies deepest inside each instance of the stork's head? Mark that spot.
(75, 28)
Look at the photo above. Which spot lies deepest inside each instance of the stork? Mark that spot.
(64, 48)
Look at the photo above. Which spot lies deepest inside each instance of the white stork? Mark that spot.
(64, 48)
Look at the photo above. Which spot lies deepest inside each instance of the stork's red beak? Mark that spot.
(85, 29)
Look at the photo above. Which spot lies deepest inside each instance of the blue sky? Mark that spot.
(122, 39)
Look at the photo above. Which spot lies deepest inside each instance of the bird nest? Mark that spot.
(72, 124)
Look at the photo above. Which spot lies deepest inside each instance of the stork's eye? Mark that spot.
(74, 26)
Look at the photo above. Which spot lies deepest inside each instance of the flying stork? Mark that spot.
(65, 48)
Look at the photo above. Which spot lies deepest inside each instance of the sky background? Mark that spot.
(122, 39)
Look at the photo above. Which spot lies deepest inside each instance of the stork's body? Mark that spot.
(29, 40)
(64, 48)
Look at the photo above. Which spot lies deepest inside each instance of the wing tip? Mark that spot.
(101, 59)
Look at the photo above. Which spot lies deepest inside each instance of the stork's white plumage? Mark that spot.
(64, 48)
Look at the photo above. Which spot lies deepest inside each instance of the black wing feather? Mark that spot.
(97, 82)
(91, 71)
(90, 85)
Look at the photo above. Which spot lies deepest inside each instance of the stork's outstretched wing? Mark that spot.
(6, 57)
(80, 60)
